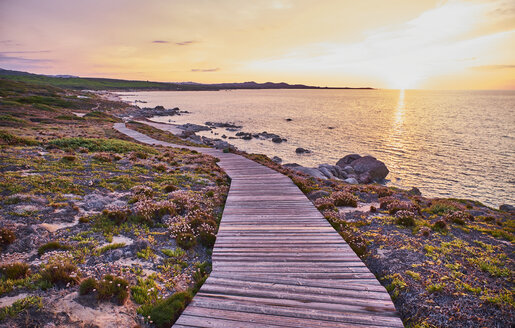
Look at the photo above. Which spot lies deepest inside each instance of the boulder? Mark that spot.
(306, 170)
(368, 164)
(277, 139)
(301, 150)
(346, 160)
(365, 178)
(325, 171)
(415, 191)
(507, 208)
(351, 181)
(277, 159)
(336, 171)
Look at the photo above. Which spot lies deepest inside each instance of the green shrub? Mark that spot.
(207, 238)
(440, 226)
(46, 100)
(145, 292)
(459, 217)
(146, 253)
(442, 207)
(100, 145)
(60, 274)
(405, 218)
(52, 246)
(186, 240)
(355, 241)
(9, 120)
(165, 312)
(87, 286)
(325, 203)
(7, 236)
(118, 215)
(109, 247)
(7, 138)
(175, 253)
(69, 118)
(68, 159)
(113, 288)
(170, 188)
(20, 306)
(342, 198)
(16, 270)
(97, 115)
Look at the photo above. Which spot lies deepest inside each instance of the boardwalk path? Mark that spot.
(277, 262)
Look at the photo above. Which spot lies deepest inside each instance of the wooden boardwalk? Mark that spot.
(277, 262)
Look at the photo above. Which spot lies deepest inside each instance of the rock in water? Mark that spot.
(346, 160)
(301, 150)
(368, 164)
(277, 159)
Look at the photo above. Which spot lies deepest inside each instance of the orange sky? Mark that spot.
(385, 44)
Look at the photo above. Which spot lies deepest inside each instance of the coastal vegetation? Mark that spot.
(86, 213)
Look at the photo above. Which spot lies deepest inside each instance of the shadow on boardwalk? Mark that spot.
(277, 262)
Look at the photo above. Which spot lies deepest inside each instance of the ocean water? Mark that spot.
(447, 143)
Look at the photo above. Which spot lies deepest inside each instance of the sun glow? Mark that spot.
(410, 44)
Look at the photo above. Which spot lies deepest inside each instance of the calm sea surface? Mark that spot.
(448, 143)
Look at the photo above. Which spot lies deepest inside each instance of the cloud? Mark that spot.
(492, 67)
(25, 52)
(185, 43)
(207, 70)
(182, 43)
(20, 60)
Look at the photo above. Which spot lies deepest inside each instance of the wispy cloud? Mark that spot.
(206, 70)
(182, 43)
(492, 67)
(19, 60)
(185, 43)
(25, 52)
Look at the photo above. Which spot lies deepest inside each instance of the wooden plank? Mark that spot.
(268, 319)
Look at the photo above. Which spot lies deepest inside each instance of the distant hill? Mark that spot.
(91, 83)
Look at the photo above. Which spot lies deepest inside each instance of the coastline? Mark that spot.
(106, 205)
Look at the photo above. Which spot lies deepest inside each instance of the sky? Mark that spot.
(424, 44)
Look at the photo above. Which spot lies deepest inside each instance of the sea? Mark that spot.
(458, 144)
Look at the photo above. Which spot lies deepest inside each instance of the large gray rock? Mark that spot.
(326, 172)
(301, 150)
(368, 164)
(277, 159)
(351, 181)
(507, 208)
(306, 170)
(346, 160)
